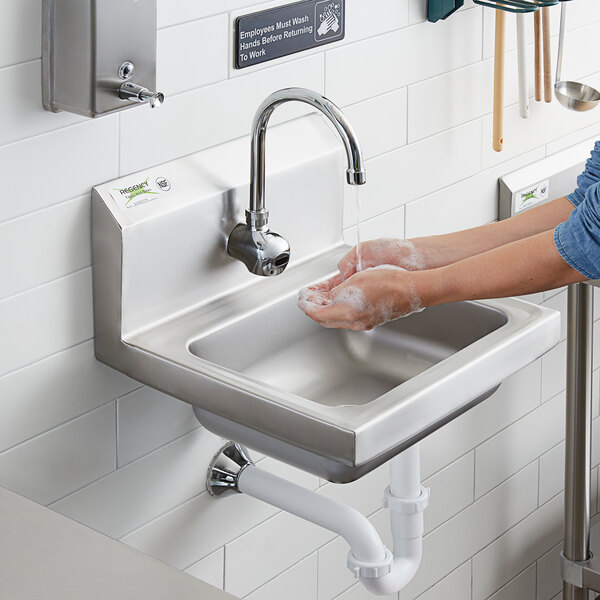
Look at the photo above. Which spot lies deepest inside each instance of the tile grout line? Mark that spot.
(37, 211)
(539, 476)
(119, 135)
(476, 500)
(35, 362)
(58, 130)
(428, 589)
(41, 285)
(45, 283)
(474, 497)
(512, 580)
(20, 63)
(55, 427)
(117, 434)
(518, 523)
(189, 433)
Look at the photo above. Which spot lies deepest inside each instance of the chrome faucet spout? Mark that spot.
(262, 251)
(355, 174)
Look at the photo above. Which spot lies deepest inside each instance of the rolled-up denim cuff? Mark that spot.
(575, 199)
(568, 249)
(589, 177)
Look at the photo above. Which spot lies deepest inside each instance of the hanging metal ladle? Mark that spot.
(572, 94)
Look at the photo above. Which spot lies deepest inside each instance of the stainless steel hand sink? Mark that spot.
(338, 403)
(173, 311)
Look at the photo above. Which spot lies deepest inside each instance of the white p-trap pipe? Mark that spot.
(378, 569)
(407, 499)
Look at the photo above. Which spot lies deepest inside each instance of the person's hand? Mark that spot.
(384, 251)
(362, 301)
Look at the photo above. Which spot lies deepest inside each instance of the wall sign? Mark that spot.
(277, 32)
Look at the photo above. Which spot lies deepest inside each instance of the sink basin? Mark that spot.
(173, 311)
(280, 348)
(338, 403)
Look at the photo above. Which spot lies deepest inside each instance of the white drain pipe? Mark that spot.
(339, 518)
(380, 571)
(407, 499)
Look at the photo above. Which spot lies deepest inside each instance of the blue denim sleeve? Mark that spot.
(578, 239)
(589, 177)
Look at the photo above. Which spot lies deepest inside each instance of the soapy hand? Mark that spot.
(385, 251)
(362, 301)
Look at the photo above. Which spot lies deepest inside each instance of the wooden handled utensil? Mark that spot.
(498, 131)
(537, 30)
(547, 58)
(522, 67)
(518, 7)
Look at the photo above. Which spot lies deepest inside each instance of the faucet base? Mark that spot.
(267, 254)
(263, 251)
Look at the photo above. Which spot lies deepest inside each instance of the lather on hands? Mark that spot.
(482, 262)
(384, 251)
(381, 292)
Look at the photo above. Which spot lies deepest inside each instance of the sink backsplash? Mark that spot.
(166, 227)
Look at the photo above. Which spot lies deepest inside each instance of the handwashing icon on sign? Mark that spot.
(328, 16)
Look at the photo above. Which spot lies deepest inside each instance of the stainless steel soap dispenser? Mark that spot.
(98, 56)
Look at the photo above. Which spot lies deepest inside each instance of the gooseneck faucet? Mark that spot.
(263, 251)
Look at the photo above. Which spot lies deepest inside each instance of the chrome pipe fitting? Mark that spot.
(225, 469)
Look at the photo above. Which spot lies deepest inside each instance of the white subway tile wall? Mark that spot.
(521, 587)
(129, 461)
(455, 586)
(210, 569)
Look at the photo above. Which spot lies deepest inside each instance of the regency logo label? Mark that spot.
(133, 191)
(525, 196)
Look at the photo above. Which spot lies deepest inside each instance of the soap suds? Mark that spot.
(410, 293)
(319, 296)
(352, 296)
(403, 251)
(384, 251)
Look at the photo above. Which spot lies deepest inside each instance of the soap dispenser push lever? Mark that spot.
(263, 251)
(134, 92)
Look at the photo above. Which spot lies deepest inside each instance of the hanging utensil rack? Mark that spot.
(518, 7)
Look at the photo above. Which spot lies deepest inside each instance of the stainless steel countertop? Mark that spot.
(46, 555)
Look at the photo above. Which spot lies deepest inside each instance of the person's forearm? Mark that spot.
(446, 249)
(522, 267)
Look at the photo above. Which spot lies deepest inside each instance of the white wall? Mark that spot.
(130, 461)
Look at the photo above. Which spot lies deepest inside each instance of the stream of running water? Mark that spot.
(358, 250)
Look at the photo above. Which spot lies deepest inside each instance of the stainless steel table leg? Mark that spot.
(578, 431)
